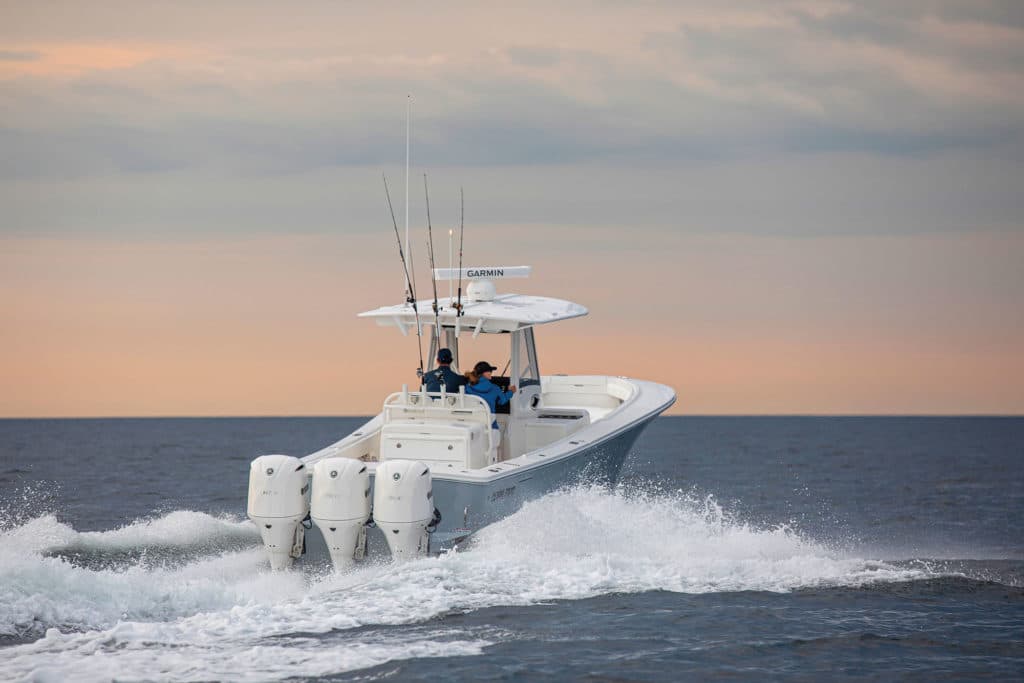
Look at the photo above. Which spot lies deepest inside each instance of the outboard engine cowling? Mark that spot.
(340, 507)
(403, 506)
(278, 502)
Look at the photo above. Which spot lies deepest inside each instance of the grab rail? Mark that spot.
(435, 404)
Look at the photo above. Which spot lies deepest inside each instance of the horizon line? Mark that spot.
(4, 418)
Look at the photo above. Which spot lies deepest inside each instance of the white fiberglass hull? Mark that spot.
(469, 501)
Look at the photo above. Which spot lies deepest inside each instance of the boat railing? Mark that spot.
(407, 405)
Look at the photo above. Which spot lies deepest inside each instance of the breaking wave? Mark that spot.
(209, 608)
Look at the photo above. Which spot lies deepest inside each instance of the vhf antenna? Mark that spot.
(462, 233)
(408, 124)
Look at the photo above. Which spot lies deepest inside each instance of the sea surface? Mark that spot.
(744, 549)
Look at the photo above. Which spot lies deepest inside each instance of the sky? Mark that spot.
(775, 207)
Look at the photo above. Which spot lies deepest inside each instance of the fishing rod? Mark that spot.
(433, 271)
(410, 290)
(462, 233)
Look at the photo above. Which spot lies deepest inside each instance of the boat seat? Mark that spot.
(459, 445)
(438, 429)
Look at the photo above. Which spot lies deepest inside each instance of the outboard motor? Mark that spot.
(341, 507)
(278, 503)
(403, 506)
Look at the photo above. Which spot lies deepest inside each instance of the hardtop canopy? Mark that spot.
(504, 313)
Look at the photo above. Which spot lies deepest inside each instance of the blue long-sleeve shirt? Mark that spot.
(490, 392)
(444, 374)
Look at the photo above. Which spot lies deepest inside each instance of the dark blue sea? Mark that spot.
(747, 549)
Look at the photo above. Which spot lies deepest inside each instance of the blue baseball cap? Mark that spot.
(444, 356)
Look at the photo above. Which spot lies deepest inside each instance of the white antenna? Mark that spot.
(408, 116)
(451, 265)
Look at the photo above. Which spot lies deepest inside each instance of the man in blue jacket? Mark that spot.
(444, 375)
(480, 384)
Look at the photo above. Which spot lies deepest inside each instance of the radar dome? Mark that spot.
(481, 290)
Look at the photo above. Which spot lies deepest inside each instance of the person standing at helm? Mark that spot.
(443, 375)
(480, 384)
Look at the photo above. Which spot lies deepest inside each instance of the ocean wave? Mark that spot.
(43, 584)
(130, 652)
(181, 530)
(223, 615)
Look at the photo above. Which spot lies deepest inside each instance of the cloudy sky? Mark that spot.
(776, 207)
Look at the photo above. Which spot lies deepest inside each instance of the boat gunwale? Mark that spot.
(485, 476)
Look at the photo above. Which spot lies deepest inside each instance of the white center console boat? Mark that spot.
(429, 470)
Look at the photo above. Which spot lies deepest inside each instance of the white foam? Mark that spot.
(182, 529)
(38, 590)
(590, 541)
(226, 617)
(128, 652)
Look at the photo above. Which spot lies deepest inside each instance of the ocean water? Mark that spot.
(732, 549)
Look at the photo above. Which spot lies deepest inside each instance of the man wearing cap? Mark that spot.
(444, 375)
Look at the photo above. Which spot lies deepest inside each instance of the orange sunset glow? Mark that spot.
(768, 208)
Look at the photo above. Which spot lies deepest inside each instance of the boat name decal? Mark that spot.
(503, 493)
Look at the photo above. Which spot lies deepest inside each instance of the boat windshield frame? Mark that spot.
(524, 368)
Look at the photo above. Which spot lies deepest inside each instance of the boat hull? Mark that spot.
(467, 507)
(472, 497)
